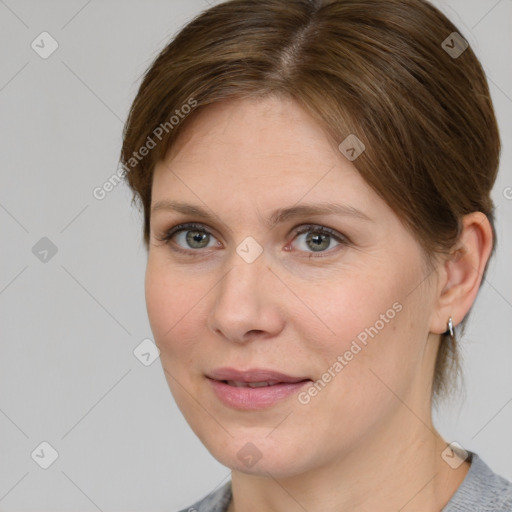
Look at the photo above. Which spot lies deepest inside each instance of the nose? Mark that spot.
(248, 302)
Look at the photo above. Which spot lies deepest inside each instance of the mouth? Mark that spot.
(252, 376)
(253, 389)
(261, 384)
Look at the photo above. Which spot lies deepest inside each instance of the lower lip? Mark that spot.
(255, 398)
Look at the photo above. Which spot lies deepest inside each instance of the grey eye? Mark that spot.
(193, 239)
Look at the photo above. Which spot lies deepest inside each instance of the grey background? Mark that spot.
(69, 326)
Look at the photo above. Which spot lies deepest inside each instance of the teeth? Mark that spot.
(260, 384)
(252, 384)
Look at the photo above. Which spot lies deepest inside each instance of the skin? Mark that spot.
(366, 441)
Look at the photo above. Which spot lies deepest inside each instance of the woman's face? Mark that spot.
(348, 309)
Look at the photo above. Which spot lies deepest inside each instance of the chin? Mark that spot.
(259, 456)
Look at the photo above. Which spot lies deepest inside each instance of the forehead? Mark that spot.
(258, 127)
(250, 140)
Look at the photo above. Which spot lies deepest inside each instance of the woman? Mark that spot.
(315, 177)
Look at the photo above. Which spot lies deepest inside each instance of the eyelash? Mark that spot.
(166, 238)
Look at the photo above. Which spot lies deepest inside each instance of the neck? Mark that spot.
(401, 468)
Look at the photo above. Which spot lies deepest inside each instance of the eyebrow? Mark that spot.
(278, 216)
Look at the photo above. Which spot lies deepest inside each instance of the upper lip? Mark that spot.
(252, 375)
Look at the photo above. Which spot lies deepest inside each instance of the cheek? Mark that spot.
(172, 308)
(368, 316)
(351, 301)
(170, 302)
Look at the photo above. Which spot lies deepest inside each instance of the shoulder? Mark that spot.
(216, 501)
(482, 490)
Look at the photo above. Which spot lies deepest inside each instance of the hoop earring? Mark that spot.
(450, 326)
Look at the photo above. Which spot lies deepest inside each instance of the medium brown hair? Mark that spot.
(374, 68)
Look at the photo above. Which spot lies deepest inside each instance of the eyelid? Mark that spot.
(186, 226)
(304, 228)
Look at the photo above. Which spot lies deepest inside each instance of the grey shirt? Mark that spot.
(482, 490)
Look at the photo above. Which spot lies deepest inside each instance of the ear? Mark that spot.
(461, 272)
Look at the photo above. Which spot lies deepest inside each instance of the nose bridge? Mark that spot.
(243, 300)
(241, 280)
